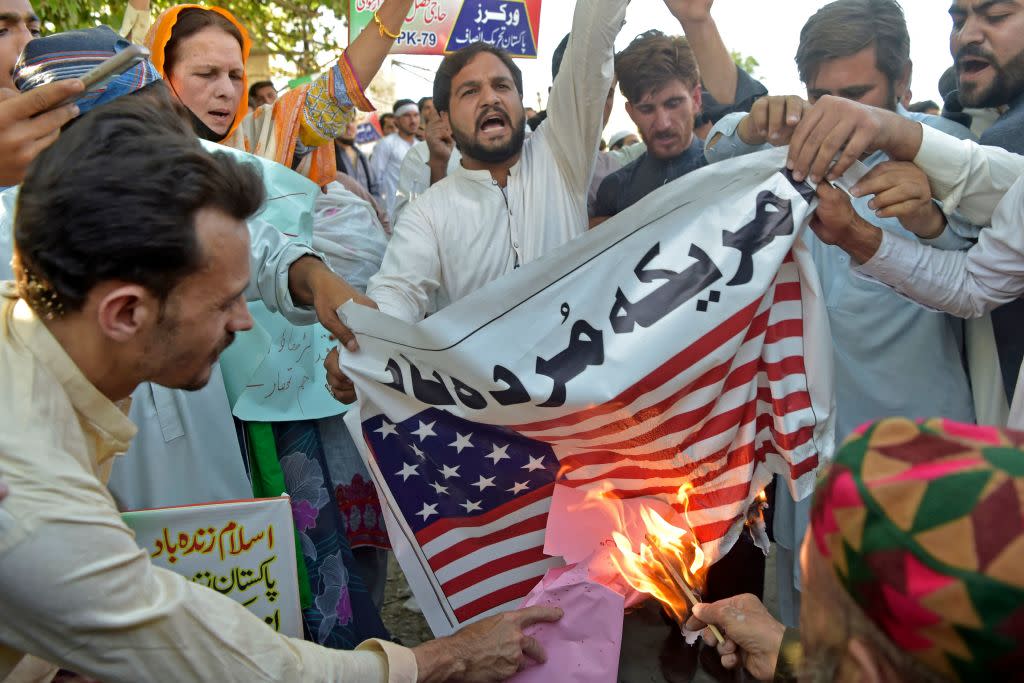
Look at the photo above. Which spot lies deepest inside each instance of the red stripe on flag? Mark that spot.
(787, 291)
(784, 329)
(493, 568)
(496, 598)
(712, 532)
(443, 526)
(468, 546)
(798, 400)
(671, 369)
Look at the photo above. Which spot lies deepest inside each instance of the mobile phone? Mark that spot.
(131, 56)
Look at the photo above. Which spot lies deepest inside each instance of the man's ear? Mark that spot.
(903, 83)
(631, 112)
(126, 310)
(859, 657)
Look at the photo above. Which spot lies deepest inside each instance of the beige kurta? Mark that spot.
(75, 589)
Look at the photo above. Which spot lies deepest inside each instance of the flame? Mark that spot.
(643, 568)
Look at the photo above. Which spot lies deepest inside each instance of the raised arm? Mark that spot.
(371, 46)
(717, 70)
(576, 105)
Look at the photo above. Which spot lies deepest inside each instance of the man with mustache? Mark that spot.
(660, 77)
(891, 356)
(131, 262)
(987, 43)
(510, 200)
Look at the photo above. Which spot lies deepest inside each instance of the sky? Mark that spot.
(743, 25)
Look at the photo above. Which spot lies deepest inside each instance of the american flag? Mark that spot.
(477, 496)
(707, 425)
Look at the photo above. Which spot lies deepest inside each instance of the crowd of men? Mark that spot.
(135, 234)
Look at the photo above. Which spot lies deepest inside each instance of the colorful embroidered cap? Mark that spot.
(923, 526)
(75, 53)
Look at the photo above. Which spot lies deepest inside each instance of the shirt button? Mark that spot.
(515, 245)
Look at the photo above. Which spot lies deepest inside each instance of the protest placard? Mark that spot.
(437, 27)
(243, 549)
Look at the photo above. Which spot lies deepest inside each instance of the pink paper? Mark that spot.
(576, 528)
(583, 647)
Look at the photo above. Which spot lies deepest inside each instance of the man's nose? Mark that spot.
(969, 34)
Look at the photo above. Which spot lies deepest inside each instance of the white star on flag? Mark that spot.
(484, 483)
(425, 430)
(471, 506)
(408, 471)
(449, 472)
(461, 442)
(386, 430)
(441, 490)
(498, 454)
(534, 464)
(427, 511)
(417, 451)
(518, 488)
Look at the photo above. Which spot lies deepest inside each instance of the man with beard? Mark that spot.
(987, 43)
(131, 261)
(510, 200)
(388, 155)
(892, 357)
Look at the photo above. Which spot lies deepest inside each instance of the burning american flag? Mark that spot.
(681, 344)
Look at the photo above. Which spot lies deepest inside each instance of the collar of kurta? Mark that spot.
(484, 177)
(109, 421)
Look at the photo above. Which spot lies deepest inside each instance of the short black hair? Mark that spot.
(115, 198)
(401, 103)
(457, 61)
(259, 85)
(845, 27)
(423, 101)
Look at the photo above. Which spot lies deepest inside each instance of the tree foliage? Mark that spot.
(748, 64)
(297, 30)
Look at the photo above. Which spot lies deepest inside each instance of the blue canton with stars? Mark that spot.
(441, 466)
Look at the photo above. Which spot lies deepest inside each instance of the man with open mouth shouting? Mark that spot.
(987, 43)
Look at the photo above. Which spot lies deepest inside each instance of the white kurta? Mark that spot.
(414, 176)
(984, 184)
(466, 230)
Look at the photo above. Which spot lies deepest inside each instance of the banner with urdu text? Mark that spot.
(438, 27)
(682, 342)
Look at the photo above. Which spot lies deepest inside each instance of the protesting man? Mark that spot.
(388, 155)
(907, 577)
(511, 200)
(429, 160)
(131, 258)
(660, 77)
(892, 357)
(982, 183)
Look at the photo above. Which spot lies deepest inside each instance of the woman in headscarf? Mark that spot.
(202, 53)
